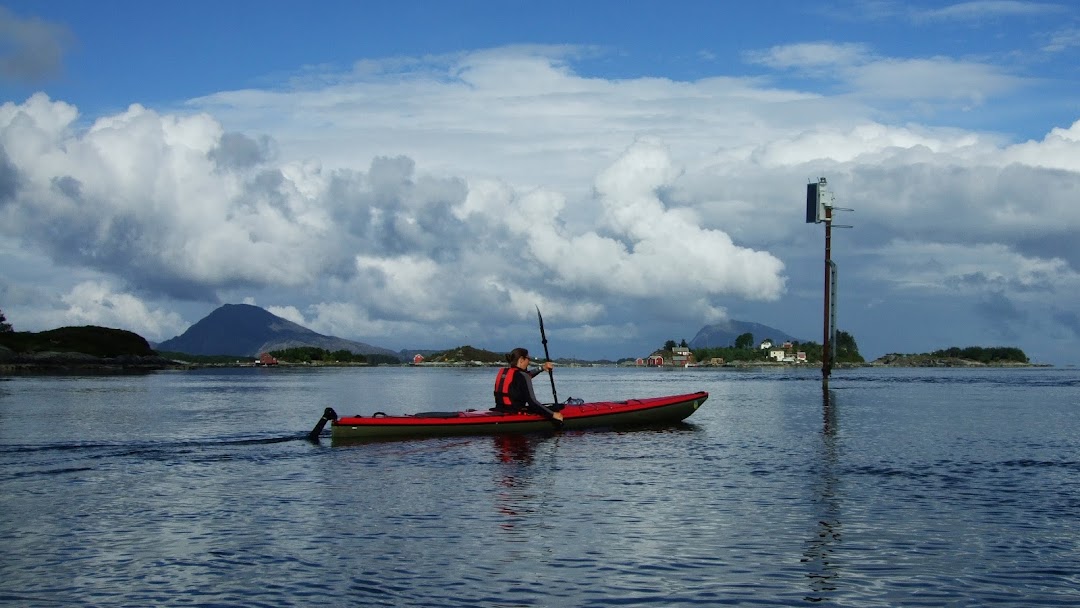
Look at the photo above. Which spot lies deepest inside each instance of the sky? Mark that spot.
(426, 174)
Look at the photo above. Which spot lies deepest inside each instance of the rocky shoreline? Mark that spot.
(932, 361)
(63, 362)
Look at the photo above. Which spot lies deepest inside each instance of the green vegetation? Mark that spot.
(312, 354)
(744, 341)
(746, 348)
(305, 354)
(994, 354)
(467, 353)
(847, 351)
(954, 356)
(89, 339)
(4, 325)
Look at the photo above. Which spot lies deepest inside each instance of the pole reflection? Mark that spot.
(822, 571)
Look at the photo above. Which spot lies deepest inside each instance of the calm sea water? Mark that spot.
(895, 488)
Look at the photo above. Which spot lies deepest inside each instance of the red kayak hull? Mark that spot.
(604, 414)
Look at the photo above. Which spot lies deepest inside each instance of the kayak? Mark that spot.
(601, 414)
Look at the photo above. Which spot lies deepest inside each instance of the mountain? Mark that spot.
(243, 329)
(724, 334)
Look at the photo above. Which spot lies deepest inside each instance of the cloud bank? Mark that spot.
(441, 200)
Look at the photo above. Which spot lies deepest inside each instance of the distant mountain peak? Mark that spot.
(248, 330)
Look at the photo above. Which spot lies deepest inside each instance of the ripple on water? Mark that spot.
(920, 488)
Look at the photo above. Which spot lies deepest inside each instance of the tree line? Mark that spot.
(984, 355)
(745, 348)
(313, 354)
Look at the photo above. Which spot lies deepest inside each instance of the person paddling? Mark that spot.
(514, 389)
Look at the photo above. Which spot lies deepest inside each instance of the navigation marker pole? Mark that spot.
(819, 208)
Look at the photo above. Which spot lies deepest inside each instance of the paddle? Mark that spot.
(328, 415)
(543, 338)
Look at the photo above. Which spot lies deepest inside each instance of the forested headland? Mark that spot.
(747, 350)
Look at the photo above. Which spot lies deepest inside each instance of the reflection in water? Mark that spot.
(514, 448)
(954, 487)
(821, 570)
(515, 454)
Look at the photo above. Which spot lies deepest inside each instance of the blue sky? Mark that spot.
(123, 52)
(423, 174)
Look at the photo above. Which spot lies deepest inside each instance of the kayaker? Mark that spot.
(514, 389)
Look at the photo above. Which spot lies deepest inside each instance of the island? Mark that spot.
(107, 350)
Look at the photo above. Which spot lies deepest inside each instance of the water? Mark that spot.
(896, 488)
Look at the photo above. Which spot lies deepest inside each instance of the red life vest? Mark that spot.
(503, 381)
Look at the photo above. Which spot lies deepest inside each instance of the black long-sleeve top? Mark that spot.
(522, 396)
